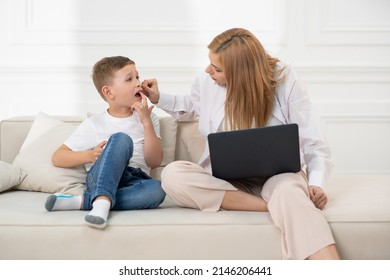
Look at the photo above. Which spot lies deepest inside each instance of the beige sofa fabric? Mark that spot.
(358, 213)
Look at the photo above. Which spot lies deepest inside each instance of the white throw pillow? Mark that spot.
(10, 176)
(46, 135)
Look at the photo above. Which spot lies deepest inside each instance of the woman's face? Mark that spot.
(215, 69)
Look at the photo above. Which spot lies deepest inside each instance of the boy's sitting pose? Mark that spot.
(118, 147)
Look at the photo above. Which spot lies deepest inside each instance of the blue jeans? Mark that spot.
(127, 187)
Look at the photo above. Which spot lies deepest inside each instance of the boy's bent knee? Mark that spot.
(122, 143)
(120, 136)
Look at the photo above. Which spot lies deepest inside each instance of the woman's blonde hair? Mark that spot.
(250, 78)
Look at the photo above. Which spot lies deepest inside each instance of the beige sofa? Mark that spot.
(358, 212)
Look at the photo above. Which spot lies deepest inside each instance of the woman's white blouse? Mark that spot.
(292, 105)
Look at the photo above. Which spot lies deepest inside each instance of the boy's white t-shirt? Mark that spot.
(100, 127)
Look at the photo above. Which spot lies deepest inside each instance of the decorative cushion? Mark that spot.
(193, 141)
(46, 135)
(168, 130)
(10, 176)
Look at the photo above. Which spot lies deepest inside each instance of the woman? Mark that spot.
(245, 87)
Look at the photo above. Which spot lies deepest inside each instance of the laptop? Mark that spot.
(255, 152)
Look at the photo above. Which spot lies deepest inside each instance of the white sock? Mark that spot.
(99, 213)
(60, 201)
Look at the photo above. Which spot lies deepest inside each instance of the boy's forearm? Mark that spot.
(153, 148)
(68, 158)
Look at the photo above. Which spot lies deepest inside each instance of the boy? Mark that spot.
(118, 147)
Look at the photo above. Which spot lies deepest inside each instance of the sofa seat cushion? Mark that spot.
(350, 200)
(358, 199)
(168, 232)
(360, 227)
(27, 209)
(359, 216)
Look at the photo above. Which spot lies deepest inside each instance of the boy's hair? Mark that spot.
(104, 70)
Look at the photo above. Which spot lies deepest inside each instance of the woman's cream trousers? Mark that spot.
(304, 228)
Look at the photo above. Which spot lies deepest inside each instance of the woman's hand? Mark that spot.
(150, 89)
(318, 196)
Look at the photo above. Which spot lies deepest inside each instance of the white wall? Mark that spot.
(341, 48)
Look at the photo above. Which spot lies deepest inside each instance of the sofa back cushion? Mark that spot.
(29, 142)
(14, 131)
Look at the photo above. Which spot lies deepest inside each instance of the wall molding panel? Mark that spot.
(340, 49)
(348, 22)
(344, 74)
(311, 74)
(195, 24)
(82, 74)
(363, 147)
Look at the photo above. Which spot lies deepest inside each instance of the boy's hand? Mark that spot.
(97, 151)
(150, 89)
(143, 110)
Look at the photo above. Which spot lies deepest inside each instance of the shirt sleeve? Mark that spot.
(182, 107)
(83, 138)
(315, 149)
